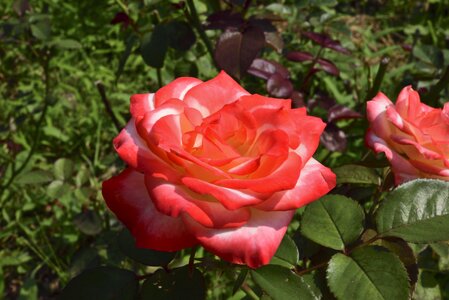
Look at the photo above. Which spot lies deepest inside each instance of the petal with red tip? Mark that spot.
(314, 182)
(173, 200)
(175, 89)
(134, 151)
(141, 104)
(253, 244)
(127, 196)
(212, 95)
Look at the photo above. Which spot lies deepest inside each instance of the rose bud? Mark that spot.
(413, 135)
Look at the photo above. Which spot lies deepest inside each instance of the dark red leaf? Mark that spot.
(328, 67)
(274, 40)
(264, 69)
(407, 47)
(279, 86)
(224, 19)
(333, 138)
(263, 24)
(297, 99)
(321, 100)
(123, 18)
(339, 112)
(299, 56)
(325, 41)
(235, 51)
(21, 7)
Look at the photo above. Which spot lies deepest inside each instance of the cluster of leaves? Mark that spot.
(67, 72)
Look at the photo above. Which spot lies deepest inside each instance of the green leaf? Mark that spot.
(417, 211)
(333, 221)
(88, 222)
(281, 283)
(180, 35)
(429, 54)
(306, 247)
(83, 259)
(368, 272)
(66, 44)
(427, 287)
(29, 290)
(186, 68)
(240, 280)
(41, 30)
(63, 169)
(34, 177)
(102, 283)
(180, 283)
(57, 189)
(154, 47)
(149, 257)
(287, 254)
(356, 174)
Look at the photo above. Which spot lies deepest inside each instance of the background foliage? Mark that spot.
(66, 73)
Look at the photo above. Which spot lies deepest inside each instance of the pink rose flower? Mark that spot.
(413, 136)
(211, 164)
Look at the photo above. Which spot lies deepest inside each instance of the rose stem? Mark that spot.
(194, 19)
(107, 104)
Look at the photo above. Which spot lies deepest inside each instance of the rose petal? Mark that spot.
(253, 244)
(314, 182)
(141, 104)
(134, 151)
(403, 170)
(376, 114)
(127, 197)
(230, 198)
(173, 200)
(176, 89)
(283, 178)
(212, 95)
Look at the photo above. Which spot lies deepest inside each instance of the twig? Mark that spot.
(379, 78)
(432, 95)
(193, 17)
(249, 292)
(107, 104)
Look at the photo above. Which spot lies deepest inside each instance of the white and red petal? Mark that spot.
(230, 198)
(141, 104)
(175, 89)
(127, 196)
(314, 182)
(174, 200)
(403, 170)
(283, 178)
(135, 152)
(253, 244)
(210, 96)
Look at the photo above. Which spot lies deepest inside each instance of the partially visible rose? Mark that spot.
(413, 135)
(210, 164)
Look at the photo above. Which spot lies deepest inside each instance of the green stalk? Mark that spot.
(379, 78)
(195, 20)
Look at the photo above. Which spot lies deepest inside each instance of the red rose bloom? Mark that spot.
(211, 164)
(413, 136)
